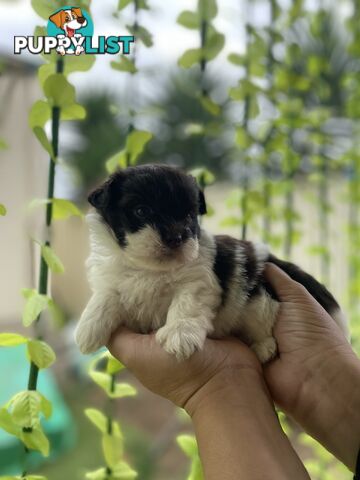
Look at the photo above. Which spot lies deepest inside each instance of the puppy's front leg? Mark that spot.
(99, 319)
(188, 322)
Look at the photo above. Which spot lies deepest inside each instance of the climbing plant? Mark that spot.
(23, 413)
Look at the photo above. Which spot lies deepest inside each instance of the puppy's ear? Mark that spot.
(77, 11)
(202, 203)
(58, 18)
(99, 198)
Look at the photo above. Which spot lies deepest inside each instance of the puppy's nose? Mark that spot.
(175, 239)
(81, 19)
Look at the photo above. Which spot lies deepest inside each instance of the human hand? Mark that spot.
(218, 368)
(315, 376)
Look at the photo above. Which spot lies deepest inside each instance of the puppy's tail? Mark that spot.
(315, 288)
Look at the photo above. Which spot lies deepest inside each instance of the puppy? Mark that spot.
(69, 21)
(152, 267)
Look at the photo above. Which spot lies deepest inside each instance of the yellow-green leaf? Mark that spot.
(2, 210)
(117, 160)
(124, 65)
(189, 20)
(102, 379)
(45, 406)
(113, 365)
(52, 260)
(136, 142)
(40, 134)
(99, 474)
(188, 445)
(11, 339)
(36, 440)
(73, 112)
(210, 105)
(41, 353)
(34, 305)
(122, 390)
(97, 418)
(124, 3)
(7, 422)
(25, 409)
(122, 471)
(190, 58)
(64, 209)
(40, 113)
(112, 449)
(59, 91)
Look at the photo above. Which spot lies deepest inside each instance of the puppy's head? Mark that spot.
(69, 20)
(153, 212)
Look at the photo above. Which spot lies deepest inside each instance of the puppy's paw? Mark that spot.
(181, 340)
(88, 338)
(266, 349)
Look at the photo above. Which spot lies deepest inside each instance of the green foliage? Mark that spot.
(136, 142)
(188, 445)
(52, 260)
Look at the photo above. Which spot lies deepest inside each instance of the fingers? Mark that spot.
(124, 343)
(281, 282)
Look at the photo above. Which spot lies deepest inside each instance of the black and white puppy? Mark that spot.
(152, 267)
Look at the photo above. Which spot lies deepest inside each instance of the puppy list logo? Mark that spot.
(70, 32)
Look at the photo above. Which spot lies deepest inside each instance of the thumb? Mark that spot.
(283, 285)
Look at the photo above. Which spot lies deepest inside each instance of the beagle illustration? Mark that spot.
(69, 20)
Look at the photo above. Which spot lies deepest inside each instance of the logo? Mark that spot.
(70, 31)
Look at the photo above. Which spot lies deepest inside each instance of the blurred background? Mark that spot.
(269, 125)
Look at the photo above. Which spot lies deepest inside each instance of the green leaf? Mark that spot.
(43, 139)
(52, 260)
(80, 63)
(117, 160)
(135, 144)
(215, 42)
(207, 9)
(188, 445)
(237, 59)
(63, 209)
(122, 390)
(73, 112)
(7, 423)
(113, 365)
(3, 144)
(26, 407)
(41, 353)
(45, 406)
(124, 65)
(102, 379)
(2, 210)
(243, 139)
(142, 34)
(190, 58)
(99, 474)
(56, 313)
(124, 3)
(122, 471)
(112, 449)
(36, 440)
(11, 339)
(189, 20)
(210, 106)
(59, 91)
(40, 113)
(34, 305)
(203, 176)
(97, 418)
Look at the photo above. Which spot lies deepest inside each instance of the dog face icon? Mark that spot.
(69, 20)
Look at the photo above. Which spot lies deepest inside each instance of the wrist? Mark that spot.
(328, 407)
(232, 385)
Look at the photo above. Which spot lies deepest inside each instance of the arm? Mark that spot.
(316, 379)
(223, 391)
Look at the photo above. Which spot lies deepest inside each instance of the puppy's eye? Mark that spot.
(142, 211)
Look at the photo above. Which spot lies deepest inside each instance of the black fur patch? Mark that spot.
(224, 264)
(315, 288)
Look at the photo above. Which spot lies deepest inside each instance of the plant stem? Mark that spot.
(44, 272)
(245, 181)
